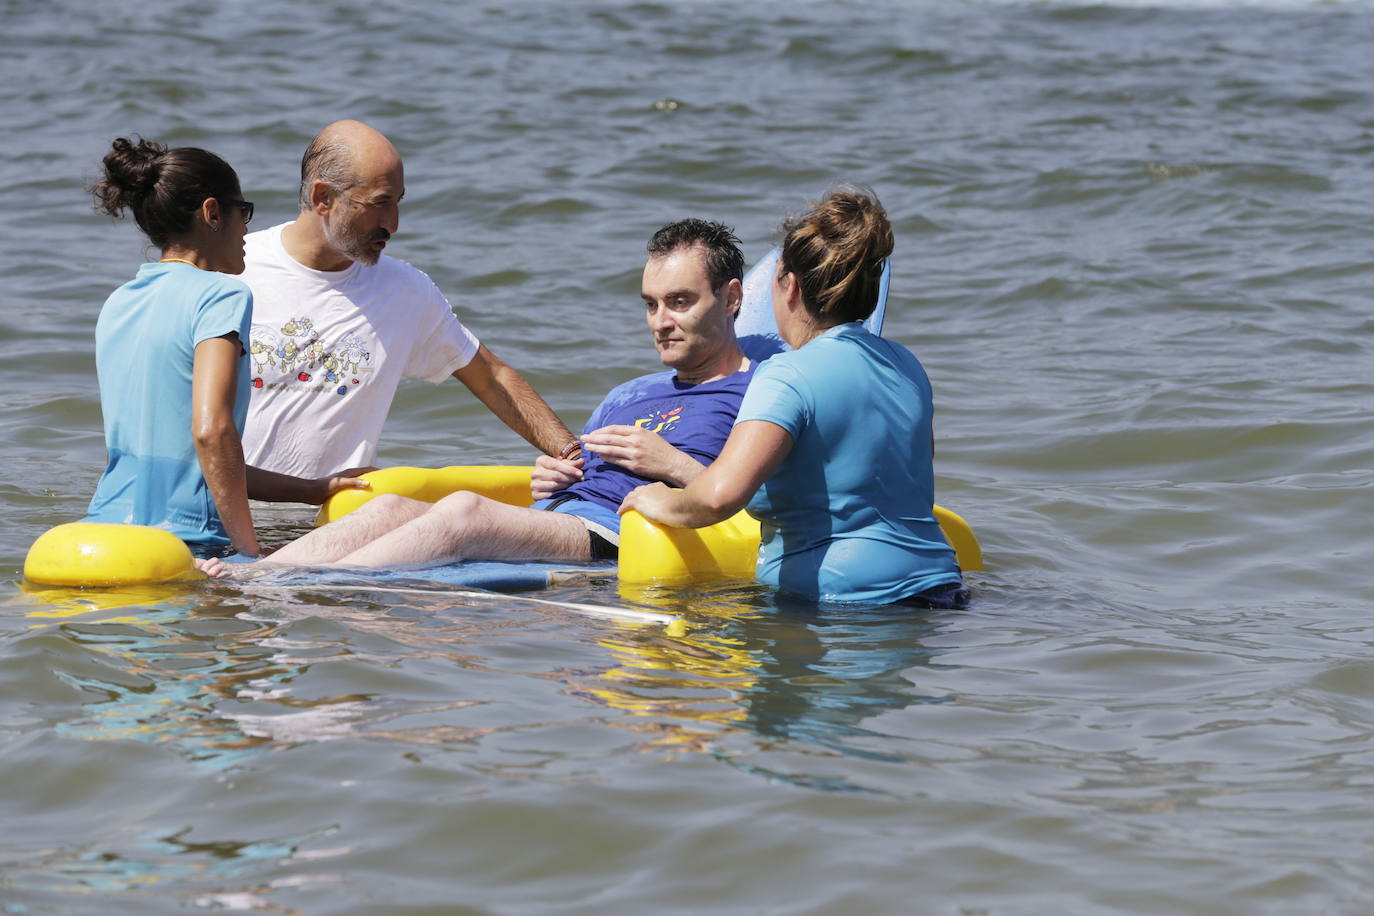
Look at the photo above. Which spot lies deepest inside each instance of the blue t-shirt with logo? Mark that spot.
(849, 515)
(695, 419)
(145, 342)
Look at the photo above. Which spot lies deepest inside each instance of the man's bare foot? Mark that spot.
(214, 567)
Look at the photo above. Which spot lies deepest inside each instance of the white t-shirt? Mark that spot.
(329, 349)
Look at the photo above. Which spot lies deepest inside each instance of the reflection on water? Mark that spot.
(170, 657)
(160, 859)
(759, 663)
(213, 672)
(689, 686)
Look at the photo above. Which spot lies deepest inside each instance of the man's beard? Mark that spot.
(355, 245)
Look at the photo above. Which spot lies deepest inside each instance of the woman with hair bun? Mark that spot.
(832, 449)
(170, 351)
(171, 354)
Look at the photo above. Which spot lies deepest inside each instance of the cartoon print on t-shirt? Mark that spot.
(302, 361)
(350, 355)
(264, 355)
(660, 421)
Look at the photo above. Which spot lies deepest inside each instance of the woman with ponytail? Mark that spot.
(171, 355)
(832, 449)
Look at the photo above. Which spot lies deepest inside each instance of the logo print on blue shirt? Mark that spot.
(660, 422)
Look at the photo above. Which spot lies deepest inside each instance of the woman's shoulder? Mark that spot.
(866, 343)
(225, 288)
(213, 293)
(228, 283)
(785, 365)
(202, 284)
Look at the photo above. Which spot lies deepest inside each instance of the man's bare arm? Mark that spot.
(514, 402)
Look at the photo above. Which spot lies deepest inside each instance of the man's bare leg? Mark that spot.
(466, 525)
(370, 521)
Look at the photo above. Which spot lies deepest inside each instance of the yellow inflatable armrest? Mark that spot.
(650, 552)
(504, 483)
(100, 554)
(960, 536)
(653, 553)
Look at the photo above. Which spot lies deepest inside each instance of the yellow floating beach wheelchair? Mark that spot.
(96, 554)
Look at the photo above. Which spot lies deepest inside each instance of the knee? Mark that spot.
(462, 504)
(389, 506)
(467, 512)
(387, 502)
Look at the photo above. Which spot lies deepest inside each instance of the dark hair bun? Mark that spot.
(131, 173)
(163, 188)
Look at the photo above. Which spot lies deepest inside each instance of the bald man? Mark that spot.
(337, 324)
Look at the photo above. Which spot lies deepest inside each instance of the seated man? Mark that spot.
(665, 426)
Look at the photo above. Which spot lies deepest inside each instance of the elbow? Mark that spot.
(720, 501)
(212, 432)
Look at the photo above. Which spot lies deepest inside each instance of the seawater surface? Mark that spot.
(1133, 253)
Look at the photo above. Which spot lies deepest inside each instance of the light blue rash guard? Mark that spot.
(145, 342)
(848, 515)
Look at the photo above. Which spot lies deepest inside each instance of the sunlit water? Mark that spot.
(1134, 255)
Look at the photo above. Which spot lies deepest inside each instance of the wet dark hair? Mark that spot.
(836, 250)
(724, 260)
(162, 187)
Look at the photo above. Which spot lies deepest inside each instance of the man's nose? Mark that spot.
(659, 317)
(391, 218)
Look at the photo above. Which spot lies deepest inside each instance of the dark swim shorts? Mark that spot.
(602, 524)
(952, 596)
(211, 551)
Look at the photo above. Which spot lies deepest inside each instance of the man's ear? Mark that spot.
(734, 297)
(321, 197)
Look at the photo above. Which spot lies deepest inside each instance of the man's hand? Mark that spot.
(553, 474)
(645, 453)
